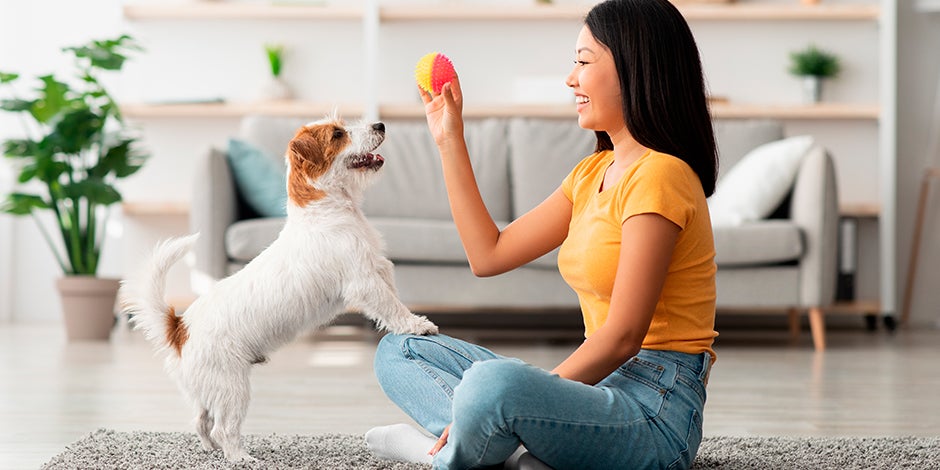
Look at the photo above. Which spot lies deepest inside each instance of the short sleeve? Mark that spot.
(666, 186)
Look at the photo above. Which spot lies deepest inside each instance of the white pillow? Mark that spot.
(759, 182)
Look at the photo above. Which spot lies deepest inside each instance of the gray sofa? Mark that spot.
(787, 262)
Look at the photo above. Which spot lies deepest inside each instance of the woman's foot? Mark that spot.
(401, 442)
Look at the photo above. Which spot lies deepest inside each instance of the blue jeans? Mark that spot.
(646, 414)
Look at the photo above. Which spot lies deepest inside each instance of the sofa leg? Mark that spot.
(794, 316)
(817, 325)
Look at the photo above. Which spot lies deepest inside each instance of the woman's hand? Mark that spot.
(440, 442)
(444, 112)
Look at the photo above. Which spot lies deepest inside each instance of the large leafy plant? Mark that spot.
(76, 147)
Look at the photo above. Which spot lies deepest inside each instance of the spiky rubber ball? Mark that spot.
(433, 71)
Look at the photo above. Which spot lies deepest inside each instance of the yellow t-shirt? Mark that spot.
(684, 319)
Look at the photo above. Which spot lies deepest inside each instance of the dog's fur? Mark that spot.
(326, 258)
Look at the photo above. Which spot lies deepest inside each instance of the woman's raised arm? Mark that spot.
(489, 250)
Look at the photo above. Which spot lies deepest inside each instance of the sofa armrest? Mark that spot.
(815, 209)
(214, 209)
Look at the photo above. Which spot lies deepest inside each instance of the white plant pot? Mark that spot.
(812, 89)
(276, 90)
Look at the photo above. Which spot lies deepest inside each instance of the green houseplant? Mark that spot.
(813, 65)
(76, 146)
(276, 88)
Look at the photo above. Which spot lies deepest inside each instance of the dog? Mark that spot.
(327, 258)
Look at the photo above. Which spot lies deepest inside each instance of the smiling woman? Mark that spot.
(636, 246)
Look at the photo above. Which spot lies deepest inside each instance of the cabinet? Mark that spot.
(744, 49)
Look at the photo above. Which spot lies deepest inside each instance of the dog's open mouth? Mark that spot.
(369, 161)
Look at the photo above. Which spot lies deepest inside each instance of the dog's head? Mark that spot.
(328, 156)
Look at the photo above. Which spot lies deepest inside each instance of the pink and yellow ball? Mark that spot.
(433, 71)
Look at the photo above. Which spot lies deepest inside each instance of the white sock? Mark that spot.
(401, 442)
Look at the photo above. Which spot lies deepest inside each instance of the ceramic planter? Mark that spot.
(88, 306)
(812, 89)
(276, 90)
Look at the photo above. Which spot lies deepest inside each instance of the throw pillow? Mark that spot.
(259, 177)
(759, 182)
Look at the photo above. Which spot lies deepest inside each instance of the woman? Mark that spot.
(636, 246)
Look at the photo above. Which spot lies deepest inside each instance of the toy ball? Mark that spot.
(433, 71)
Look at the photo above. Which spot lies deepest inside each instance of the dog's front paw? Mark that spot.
(419, 325)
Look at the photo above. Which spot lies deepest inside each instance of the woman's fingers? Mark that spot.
(425, 96)
(440, 442)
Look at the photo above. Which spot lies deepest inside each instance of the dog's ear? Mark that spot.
(308, 162)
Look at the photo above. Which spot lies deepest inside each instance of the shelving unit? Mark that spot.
(301, 109)
(373, 15)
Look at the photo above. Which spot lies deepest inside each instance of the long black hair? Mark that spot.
(661, 81)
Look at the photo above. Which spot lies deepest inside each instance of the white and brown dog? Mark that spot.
(327, 258)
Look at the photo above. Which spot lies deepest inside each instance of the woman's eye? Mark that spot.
(580, 62)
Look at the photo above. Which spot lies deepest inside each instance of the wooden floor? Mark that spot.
(52, 393)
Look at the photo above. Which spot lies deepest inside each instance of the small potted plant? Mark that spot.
(276, 88)
(813, 65)
(75, 147)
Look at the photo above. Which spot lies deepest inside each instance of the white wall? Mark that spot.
(6, 181)
(186, 59)
(6, 251)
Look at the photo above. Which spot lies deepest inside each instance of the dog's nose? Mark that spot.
(379, 127)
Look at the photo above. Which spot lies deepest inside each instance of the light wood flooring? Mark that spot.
(53, 393)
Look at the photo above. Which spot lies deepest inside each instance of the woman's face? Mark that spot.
(596, 86)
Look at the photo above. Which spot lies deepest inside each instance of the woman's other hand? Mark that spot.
(440, 442)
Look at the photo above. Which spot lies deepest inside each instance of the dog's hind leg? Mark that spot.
(204, 424)
(229, 409)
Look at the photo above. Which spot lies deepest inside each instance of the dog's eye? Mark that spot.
(338, 133)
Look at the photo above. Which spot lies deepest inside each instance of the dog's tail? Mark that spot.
(142, 297)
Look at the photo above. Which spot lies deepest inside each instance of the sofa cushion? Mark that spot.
(411, 184)
(420, 240)
(270, 134)
(757, 184)
(736, 137)
(248, 238)
(544, 151)
(261, 179)
(412, 240)
(757, 243)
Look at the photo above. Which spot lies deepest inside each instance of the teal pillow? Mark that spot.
(260, 180)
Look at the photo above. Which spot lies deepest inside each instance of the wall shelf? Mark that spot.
(235, 110)
(305, 109)
(464, 12)
(155, 209)
(796, 111)
(238, 11)
(860, 210)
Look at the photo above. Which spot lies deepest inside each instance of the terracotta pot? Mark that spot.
(88, 306)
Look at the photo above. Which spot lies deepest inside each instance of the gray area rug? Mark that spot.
(106, 449)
